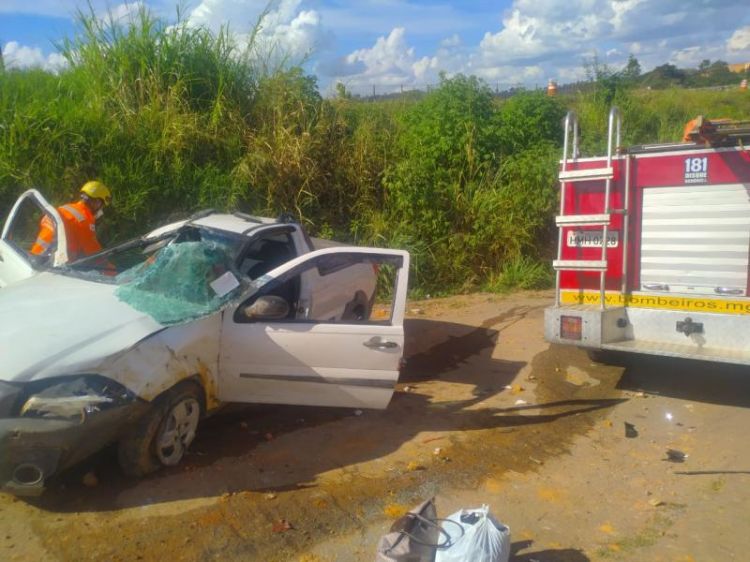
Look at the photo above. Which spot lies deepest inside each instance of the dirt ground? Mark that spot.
(486, 413)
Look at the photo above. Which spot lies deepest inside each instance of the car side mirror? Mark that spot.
(267, 307)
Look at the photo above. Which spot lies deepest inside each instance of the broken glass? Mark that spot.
(175, 284)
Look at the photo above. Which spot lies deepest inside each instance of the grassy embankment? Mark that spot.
(177, 119)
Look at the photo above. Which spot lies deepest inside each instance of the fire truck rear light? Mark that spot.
(571, 327)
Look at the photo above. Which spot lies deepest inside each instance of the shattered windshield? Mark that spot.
(184, 275)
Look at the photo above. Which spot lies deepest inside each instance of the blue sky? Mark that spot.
(390, 44)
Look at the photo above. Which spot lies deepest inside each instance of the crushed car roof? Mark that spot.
(238, 223)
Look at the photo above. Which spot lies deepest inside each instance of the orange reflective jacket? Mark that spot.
(80, 231)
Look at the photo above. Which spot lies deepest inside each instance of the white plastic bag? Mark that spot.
(484, 538)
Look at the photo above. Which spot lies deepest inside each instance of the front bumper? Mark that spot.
(33, 449)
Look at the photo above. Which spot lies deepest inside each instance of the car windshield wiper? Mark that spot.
(90, 261)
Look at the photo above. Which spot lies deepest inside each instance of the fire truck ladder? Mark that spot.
(570, 155)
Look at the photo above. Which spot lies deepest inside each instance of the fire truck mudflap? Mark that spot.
(672, 277)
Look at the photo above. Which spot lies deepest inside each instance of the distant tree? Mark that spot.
(341, 91)
(632, 70)
(709, 73)
(719, 73)
(664, 76)
(606, 81)
(595, 69)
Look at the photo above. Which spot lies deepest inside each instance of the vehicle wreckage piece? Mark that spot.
(219, 308)
(58, 422)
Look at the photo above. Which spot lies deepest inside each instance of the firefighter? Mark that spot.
(79, 219)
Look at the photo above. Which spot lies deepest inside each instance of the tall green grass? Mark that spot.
(176, 118)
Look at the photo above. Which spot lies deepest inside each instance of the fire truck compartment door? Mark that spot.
(696, 239)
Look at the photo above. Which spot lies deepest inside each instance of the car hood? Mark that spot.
(53, 324)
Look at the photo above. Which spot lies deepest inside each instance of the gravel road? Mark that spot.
(571, 454)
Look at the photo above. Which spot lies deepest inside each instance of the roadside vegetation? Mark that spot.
(176, 119)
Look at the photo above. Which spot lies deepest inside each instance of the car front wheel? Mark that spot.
(163, 435)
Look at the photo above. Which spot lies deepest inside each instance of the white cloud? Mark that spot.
(284, 28)
(388, 64)
(16, 55)
(452, 41)
(557, 35)
(123, 13)
(530, 41)
(740, 40)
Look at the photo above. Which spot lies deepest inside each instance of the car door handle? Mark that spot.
(377, 343)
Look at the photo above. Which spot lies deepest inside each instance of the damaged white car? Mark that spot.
(136, 344)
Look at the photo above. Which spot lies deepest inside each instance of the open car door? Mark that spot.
(289, 341)
(19, 234)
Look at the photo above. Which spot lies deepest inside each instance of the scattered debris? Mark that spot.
(579, 377)
(507, 387)
(414, 466)
(474, 534)
(531, 378)
(90, 479)
(437, 450)
(673, 455)
(640, 394)
(607, 423)
(630, 431)
(517, 389)
(417, 311)
(408, 388)
(430, 439)
(520, 402)
(537, 461)
(668, 416)
(655, 502)
(270, 496)
(395, 510)
(357, 412)
(281, 526)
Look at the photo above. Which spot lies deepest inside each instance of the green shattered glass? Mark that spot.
(175, 285)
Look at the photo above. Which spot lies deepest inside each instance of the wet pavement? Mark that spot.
(571, 454)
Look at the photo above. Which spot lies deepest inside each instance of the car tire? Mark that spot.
(164, 433)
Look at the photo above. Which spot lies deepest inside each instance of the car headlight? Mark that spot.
(74, 397)
(8, 397)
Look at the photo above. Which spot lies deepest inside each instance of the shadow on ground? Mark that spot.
(548, 555)
(286, 448)
(697, 381)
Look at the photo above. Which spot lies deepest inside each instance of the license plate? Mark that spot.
(592, 239)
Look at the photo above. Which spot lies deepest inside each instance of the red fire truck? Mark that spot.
(654, 245)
